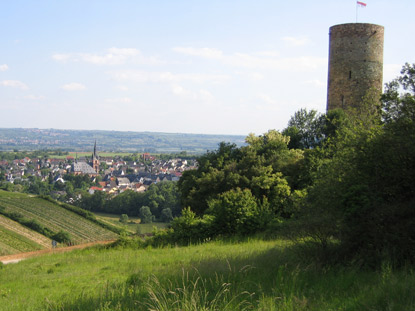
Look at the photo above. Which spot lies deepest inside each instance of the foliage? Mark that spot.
(62, 237)
(29, 223)
(309, 129)
(158, 197)
(162, 195)
(186, 229)
(365, 192)
(145, 215)
(166, 215)
(238, 212)
(304, 129)
(123, 218)
(265, 166)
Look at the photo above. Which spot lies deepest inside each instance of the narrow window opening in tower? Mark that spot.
(350, 75)
(342, 97)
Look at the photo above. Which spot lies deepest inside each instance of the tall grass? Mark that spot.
(250, 275)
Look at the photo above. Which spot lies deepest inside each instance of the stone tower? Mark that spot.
(355, 63)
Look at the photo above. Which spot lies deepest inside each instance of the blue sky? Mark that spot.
(213, 67)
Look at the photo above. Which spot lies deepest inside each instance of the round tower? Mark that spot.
(355, 63)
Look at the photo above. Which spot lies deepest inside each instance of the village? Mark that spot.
(109, 174)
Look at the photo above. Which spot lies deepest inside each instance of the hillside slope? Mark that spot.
(49, 215)
(15, 238)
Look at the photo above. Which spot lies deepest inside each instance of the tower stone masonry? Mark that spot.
(355, 63)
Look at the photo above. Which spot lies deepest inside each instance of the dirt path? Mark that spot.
(18, 257)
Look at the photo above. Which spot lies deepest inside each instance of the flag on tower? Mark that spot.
(362, 4)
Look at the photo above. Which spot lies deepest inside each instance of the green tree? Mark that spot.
(304, 129)
(166, 215)
(145, 215)
(237, 211)
(365, 192)
(124, 219)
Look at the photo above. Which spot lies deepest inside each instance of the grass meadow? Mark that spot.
(132, 225)
(249, 275)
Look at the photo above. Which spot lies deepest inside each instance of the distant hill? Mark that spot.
(16, 238)
(111, 141)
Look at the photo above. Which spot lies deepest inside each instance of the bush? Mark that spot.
(123, 218)
(237, 211)
(145, 215)
(62, 237)
(124, 240)
(166, 215)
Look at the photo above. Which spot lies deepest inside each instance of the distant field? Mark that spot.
(132, 224)
(88, 154)
(113, 141)
(54, 217)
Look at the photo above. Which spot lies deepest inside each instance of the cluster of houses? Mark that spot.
(113, 174)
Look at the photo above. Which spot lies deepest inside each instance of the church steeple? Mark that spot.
(95, 159)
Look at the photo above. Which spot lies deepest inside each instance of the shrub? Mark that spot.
(166, 215)
(62, 237)
(123, 218)
(237, 211)
(145, 215)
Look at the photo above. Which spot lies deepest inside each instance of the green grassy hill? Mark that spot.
(15, 238)
(48, 214)
(251, 275)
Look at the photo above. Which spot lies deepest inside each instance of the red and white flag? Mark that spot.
(362, 4)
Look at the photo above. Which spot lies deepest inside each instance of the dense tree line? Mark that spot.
(161, 200)
(39, 154)
(74, 185)
(342, 176)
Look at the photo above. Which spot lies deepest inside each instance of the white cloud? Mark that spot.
(61, 57)
(34, 97)
(199, 95)
(179, 90)
(73, 87)
(113, 56)
(260, 60)
(14, 83)
(124, 100)
(4, 67)
(157, 77)
(268, 53)
(296, 41)
(254, 76)
(316, 83)
(122, 88)
(292, 64)
(267, 99)
(209, 53)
